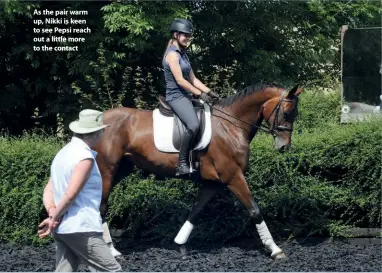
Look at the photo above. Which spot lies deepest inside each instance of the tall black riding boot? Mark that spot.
(186, 145)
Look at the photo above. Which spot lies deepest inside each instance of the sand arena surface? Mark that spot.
(240, 255)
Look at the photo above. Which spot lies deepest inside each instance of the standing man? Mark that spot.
(72, 199)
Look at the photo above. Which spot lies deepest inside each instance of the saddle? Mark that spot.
(179, 128)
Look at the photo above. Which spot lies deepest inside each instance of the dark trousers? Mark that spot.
(184, 109)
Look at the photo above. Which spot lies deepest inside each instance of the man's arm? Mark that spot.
(48, 197)
(79, 177)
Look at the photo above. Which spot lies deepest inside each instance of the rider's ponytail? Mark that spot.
(168, 45)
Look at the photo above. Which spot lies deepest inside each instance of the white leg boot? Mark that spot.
(184, 233)
(268, 242)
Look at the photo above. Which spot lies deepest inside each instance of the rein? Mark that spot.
(271, 131)
(261, 127)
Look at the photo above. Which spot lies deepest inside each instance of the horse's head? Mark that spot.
(280, 113)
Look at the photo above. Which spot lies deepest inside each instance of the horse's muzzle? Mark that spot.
(282, 147)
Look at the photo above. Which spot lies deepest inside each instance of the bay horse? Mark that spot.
(235, 120)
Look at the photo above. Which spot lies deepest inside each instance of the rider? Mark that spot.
(180, 84)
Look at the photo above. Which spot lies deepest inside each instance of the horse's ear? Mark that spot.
(294, 91)
(298, 92)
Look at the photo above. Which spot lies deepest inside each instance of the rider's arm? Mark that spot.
(197, 83)
(173, 61)
(79, 177)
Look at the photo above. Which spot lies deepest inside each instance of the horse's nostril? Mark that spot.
(284, 148)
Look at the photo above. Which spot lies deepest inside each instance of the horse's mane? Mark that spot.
(257, 87)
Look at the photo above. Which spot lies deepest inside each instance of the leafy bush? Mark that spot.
(318, 109)
(24, 168)
(330, 180)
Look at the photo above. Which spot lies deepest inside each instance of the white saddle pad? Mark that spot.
(163, 131)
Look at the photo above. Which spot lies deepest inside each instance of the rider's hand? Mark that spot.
(206, 98)
(214, 95)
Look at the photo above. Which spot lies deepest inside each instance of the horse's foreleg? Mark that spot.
(206, 192)
(239, 188)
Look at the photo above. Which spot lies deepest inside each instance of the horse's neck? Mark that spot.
(249, 110)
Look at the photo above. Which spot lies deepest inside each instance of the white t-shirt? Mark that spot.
(84, 213)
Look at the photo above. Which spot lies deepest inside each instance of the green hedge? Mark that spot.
(331, 179)
(24, 171)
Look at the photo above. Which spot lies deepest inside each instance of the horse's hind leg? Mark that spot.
(206, 192)
(239, 188)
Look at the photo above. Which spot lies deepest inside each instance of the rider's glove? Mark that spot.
(214, 95)
(206, 98)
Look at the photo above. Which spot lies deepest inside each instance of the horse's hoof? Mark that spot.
(278, 255)
(184, 257)
(183, 252)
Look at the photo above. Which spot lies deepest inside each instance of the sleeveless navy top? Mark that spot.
(173, 90)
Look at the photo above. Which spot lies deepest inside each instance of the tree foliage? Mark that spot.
(235, 44)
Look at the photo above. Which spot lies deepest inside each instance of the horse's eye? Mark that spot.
(286, 115)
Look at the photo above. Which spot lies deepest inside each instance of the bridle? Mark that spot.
(275, 127)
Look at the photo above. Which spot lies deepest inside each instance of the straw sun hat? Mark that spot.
(89, 121)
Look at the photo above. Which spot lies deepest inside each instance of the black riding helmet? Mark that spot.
(181, 25)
